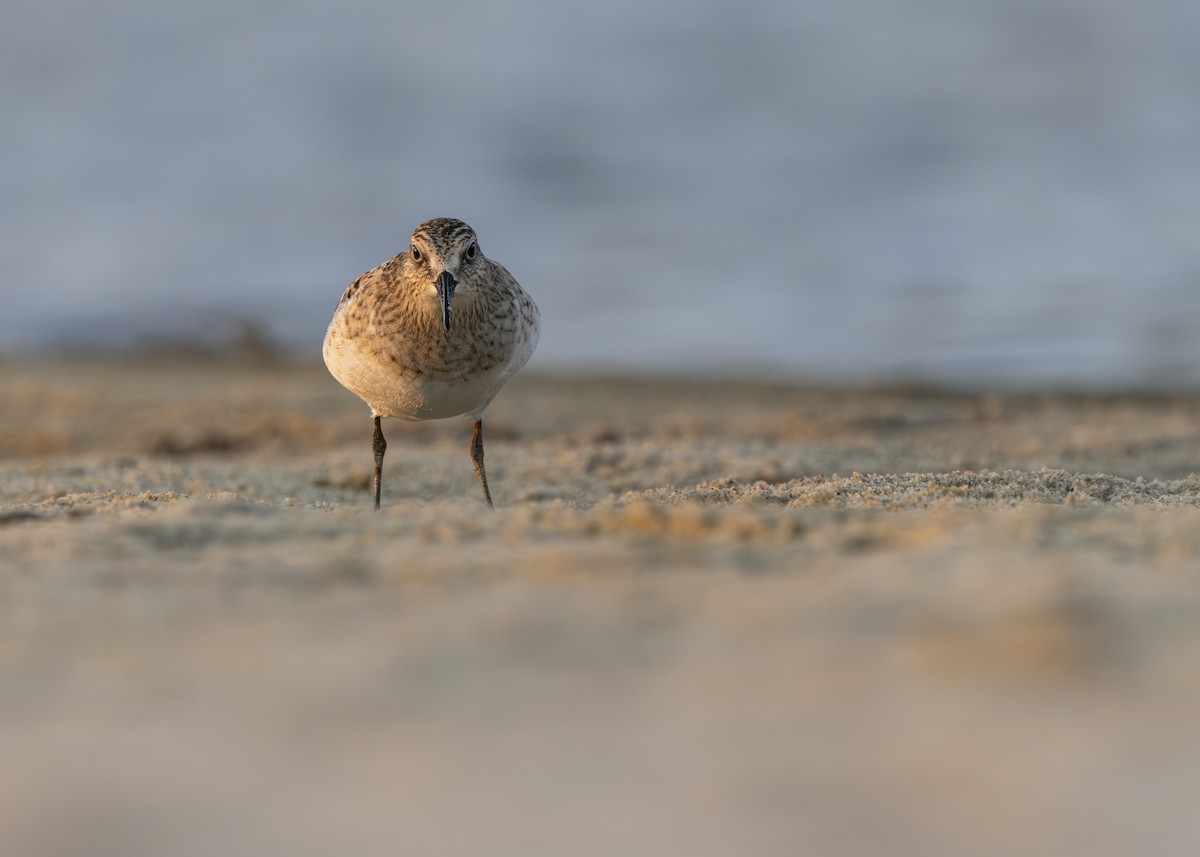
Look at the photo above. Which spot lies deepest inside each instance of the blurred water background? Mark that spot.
(993, 192)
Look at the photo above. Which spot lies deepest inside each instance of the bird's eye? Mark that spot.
(416, 254)
(472, 250)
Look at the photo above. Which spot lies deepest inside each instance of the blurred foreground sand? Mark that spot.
(706, 619)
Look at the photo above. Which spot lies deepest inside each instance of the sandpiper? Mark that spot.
(434, 332)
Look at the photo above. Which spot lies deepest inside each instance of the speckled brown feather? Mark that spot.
(388, 344)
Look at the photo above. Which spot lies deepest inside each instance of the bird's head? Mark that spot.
(444, 254)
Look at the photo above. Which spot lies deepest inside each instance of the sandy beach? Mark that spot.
(706, 618)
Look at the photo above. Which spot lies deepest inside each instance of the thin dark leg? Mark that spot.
(380, 446)
(477, 457)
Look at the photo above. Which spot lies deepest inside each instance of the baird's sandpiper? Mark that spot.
(435, 332)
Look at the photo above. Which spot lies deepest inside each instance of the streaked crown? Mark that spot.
(443, 234)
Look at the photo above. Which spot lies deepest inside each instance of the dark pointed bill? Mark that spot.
(445, 287)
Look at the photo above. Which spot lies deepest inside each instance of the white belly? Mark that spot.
(395, 391)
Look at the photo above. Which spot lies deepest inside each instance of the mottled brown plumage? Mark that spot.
(435, 332)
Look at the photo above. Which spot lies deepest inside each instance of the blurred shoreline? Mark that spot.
(1002, 192)
(249, 343)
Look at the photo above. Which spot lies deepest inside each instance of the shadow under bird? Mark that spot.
(435, 332)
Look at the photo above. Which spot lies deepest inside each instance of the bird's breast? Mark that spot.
(413, 373)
